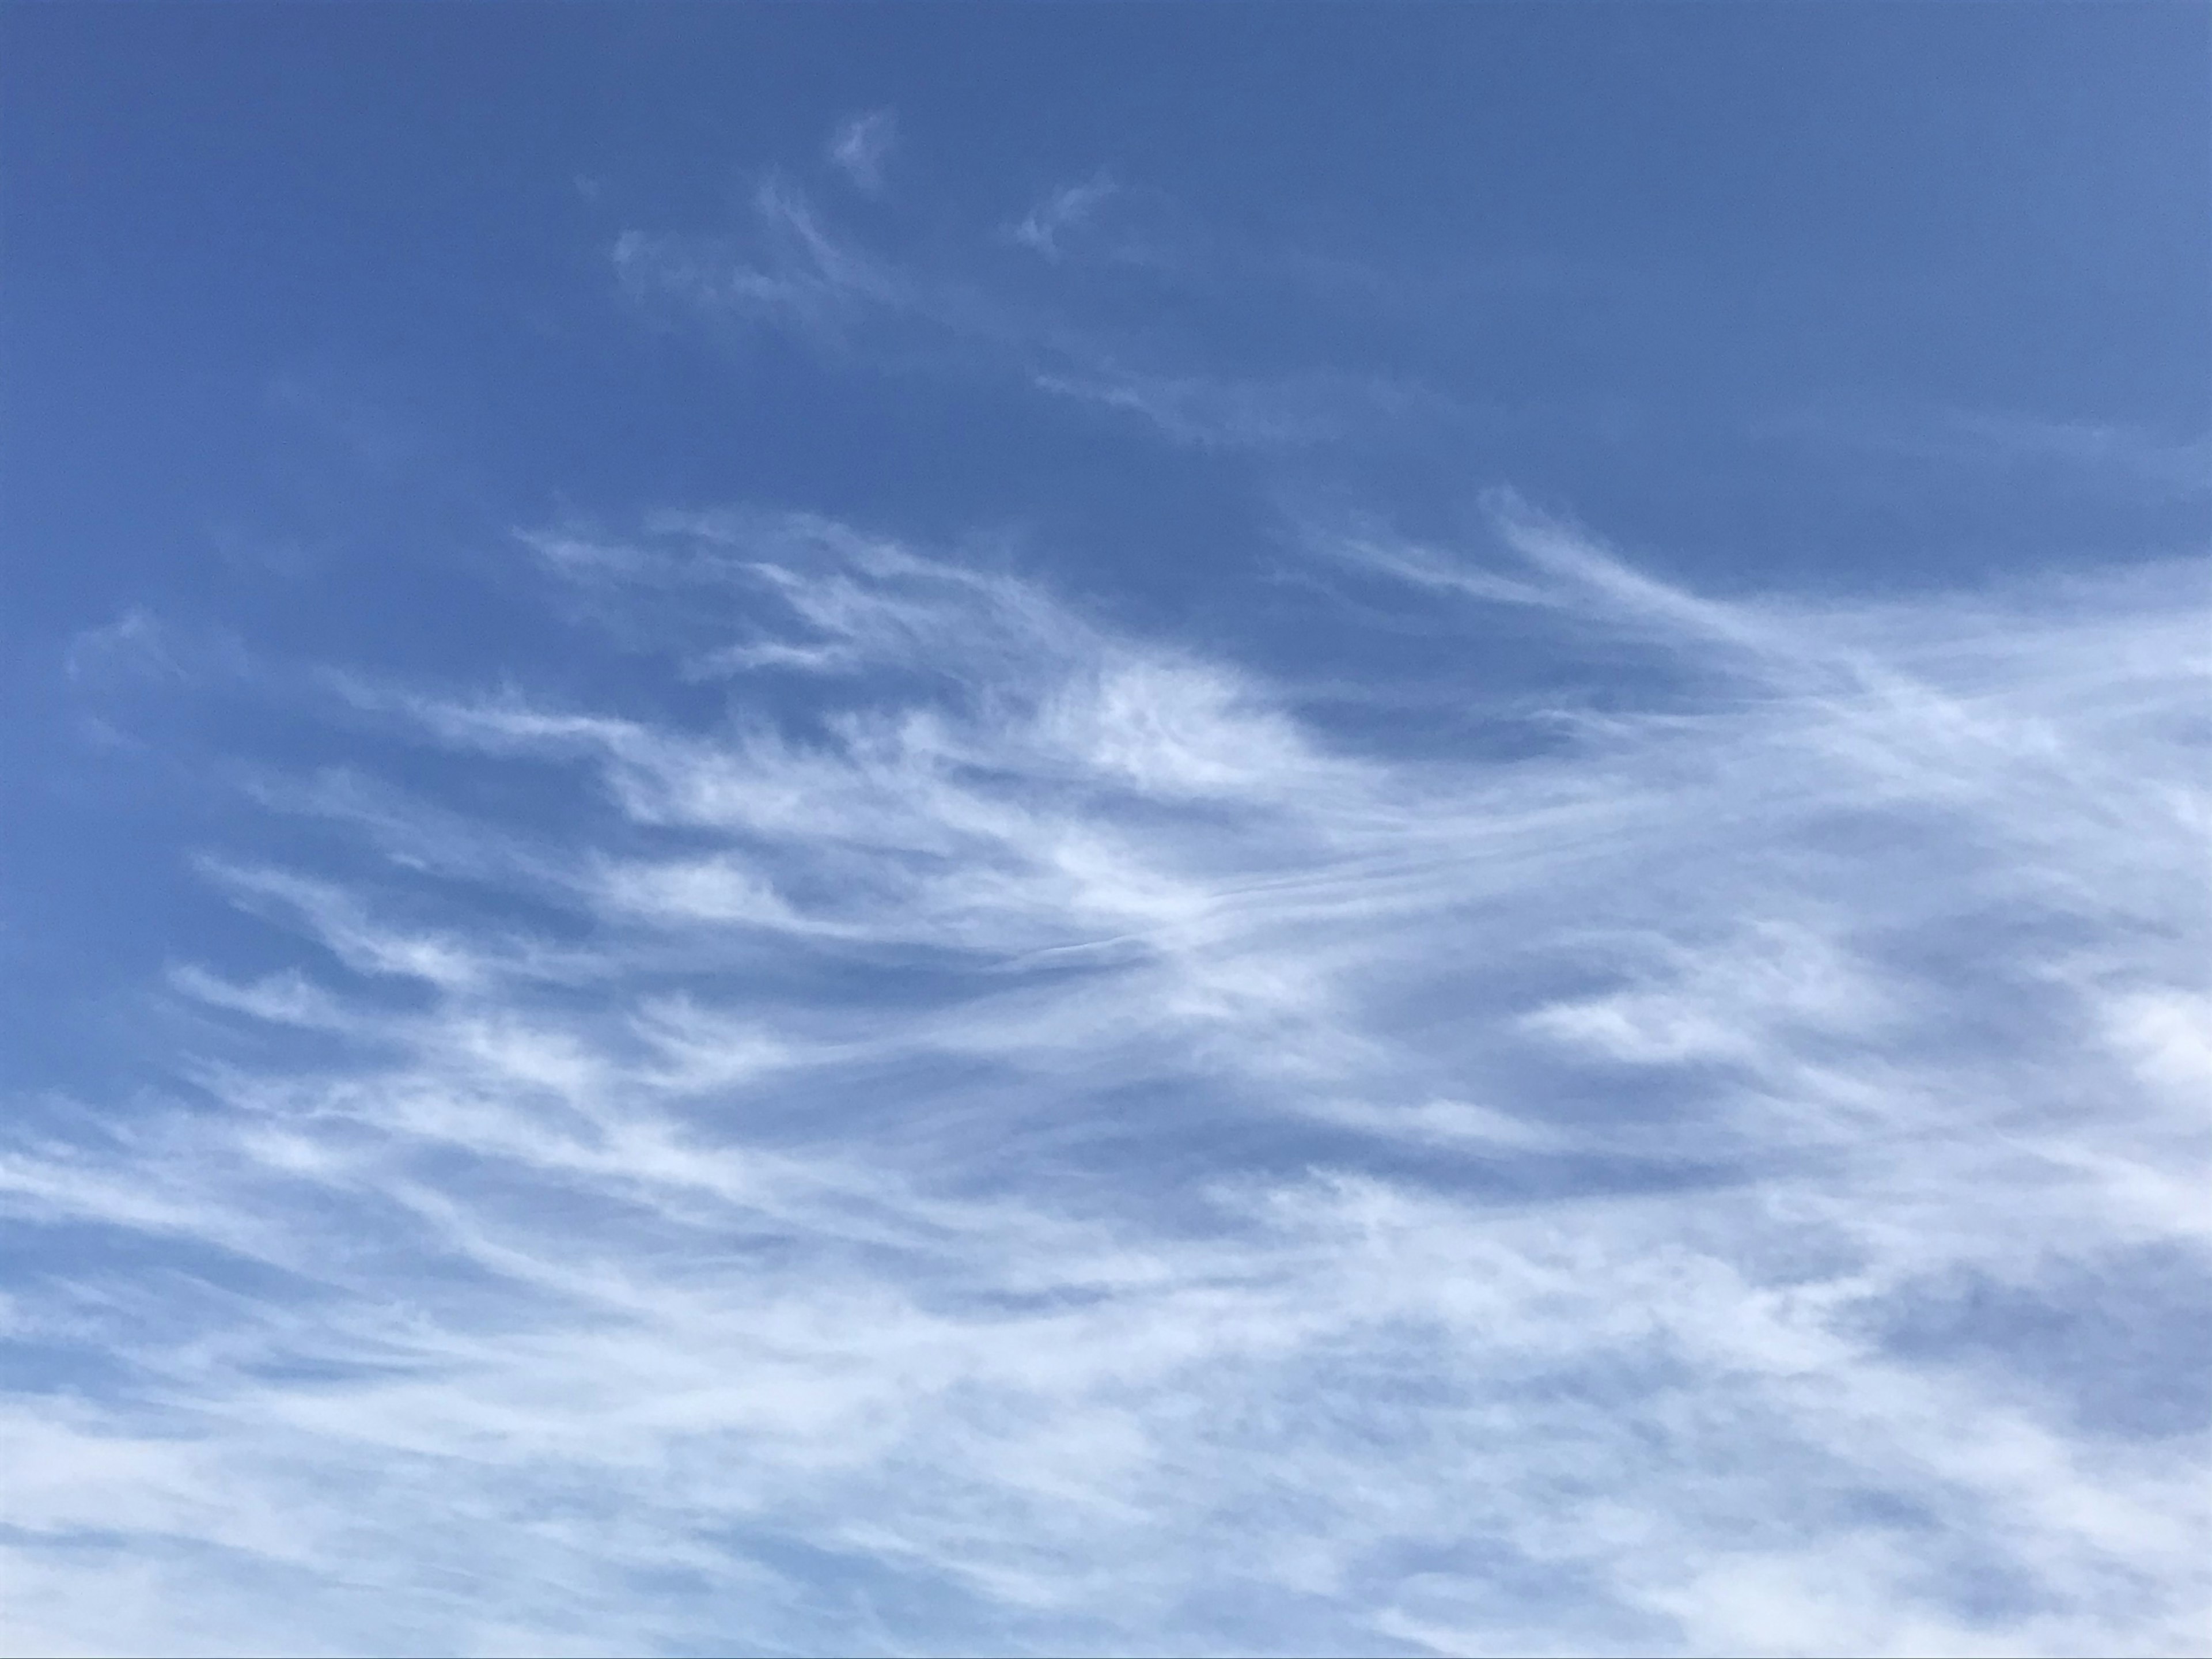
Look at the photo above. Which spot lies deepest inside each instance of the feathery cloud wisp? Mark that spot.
(1024, 1138)
(863, 145)
(1063, 209)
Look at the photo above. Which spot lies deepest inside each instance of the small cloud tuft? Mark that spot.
(1064, 210)
(863, 145)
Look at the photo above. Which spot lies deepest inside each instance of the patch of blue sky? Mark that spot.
(1092, 828)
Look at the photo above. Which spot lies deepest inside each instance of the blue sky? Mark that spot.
(1069, 828)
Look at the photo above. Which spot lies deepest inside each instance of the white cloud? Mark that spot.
(792, 269)
(1065, 209)
(1228, 412)
(2132, 458)
(863, 145)
(137, 647)
(1052, 1152)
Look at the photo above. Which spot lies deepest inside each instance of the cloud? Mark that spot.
(794, 272)
(136, 647)
(2178, 466)
(862, 146)
(1064, 208)
(1226, 412)
(2113, 454)
(1017, 1139)
(791, 269)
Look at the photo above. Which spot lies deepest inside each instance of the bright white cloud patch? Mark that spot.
(1021, 1138)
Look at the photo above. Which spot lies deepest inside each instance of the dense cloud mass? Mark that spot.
(1023, 1136)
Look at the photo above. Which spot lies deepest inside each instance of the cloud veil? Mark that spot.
(1079, 830)
(951, 1124)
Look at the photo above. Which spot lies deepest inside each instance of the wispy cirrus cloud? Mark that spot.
(1065, 209)
(1016, 1137)
(1285, 412)
(2115, 455)
(863, 146)
(2181, 466)
(136, 646)
(792, 269)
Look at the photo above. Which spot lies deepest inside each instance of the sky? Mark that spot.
(1074, 829)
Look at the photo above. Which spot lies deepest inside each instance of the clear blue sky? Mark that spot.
(1052, 828)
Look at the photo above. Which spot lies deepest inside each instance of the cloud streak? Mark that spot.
(863, 146)
(2113, 455)
(1065, 209)
(1019, 1138)
(792, 269)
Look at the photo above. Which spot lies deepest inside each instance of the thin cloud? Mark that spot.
(1065, 209)
(1282, 412)
(136, 646)
(1047, 1141)
(794, 270)
(862, 148)
(2113, 455)
(790, 269)
(2182, 466)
